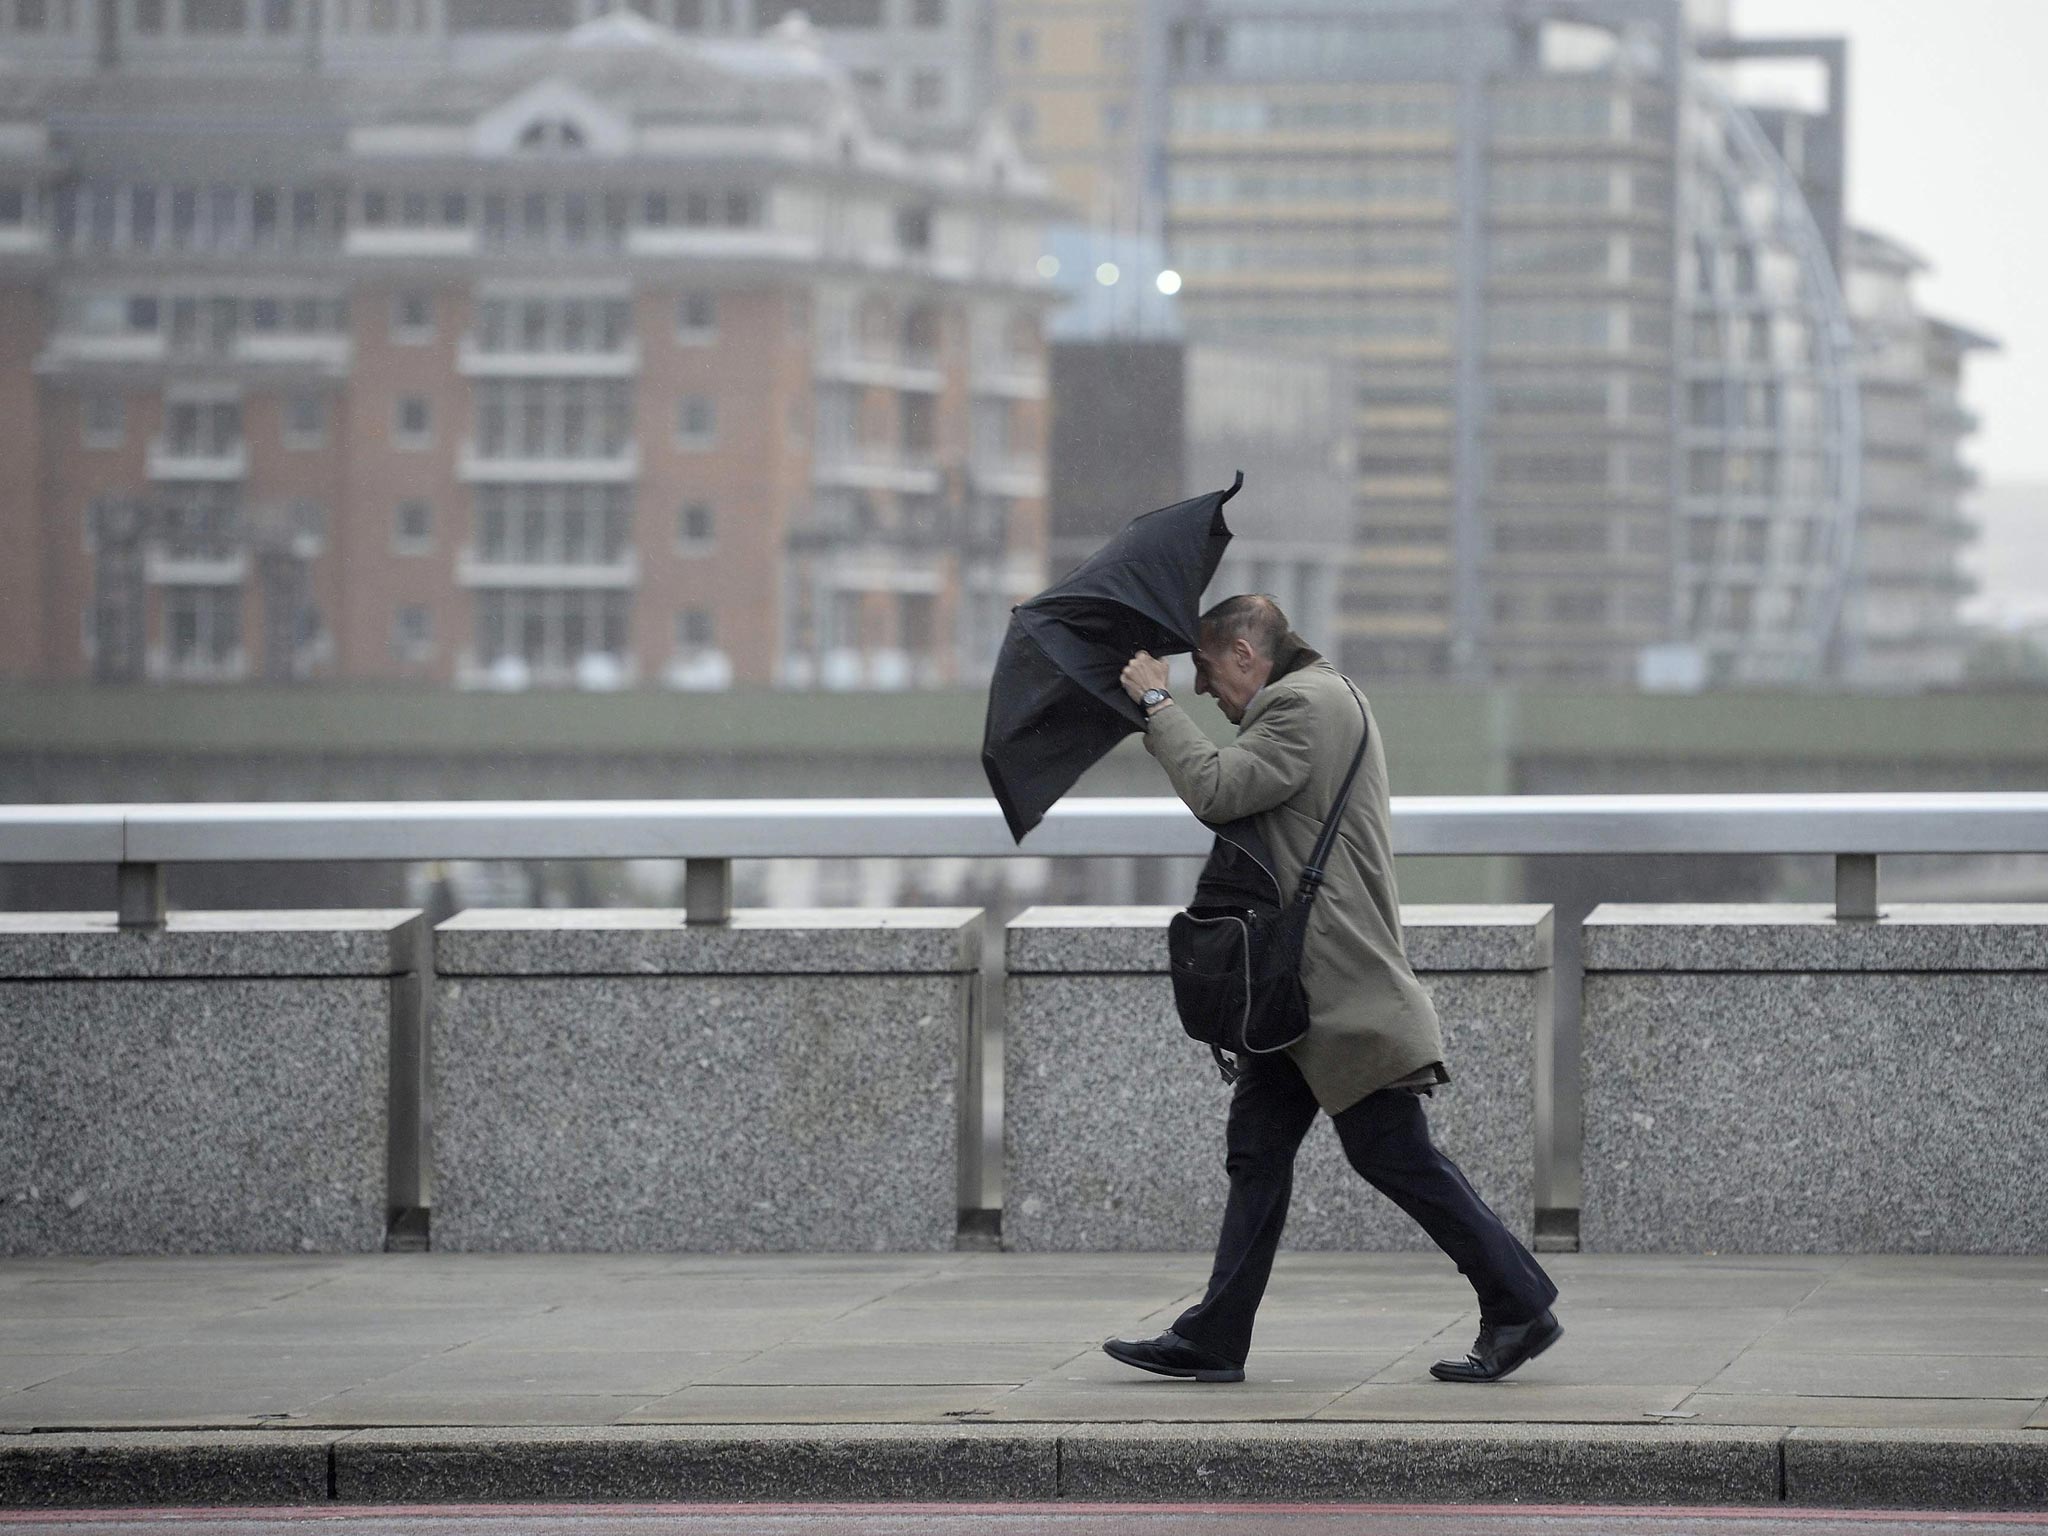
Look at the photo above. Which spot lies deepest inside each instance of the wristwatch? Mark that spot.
(1152, 698)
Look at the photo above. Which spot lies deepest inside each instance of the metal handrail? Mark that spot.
(140, 839)
(1853, 824)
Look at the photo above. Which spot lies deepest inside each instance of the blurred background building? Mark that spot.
(1609, 416)
(510, 343)
(620, 357)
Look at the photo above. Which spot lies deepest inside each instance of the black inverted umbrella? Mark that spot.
(1056, 703)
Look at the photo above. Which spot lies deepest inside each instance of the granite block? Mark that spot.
(1808, 937)
(1117, 940)
(218, 1088)
(125, 1471)
(1845, 1097)
(1114, 1119)
(1422, 1463)
(657, 942)
(1917, 1469)
(91, 945)
(748, 1111)
(720, 1463)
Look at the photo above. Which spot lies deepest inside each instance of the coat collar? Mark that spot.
(1296, 655)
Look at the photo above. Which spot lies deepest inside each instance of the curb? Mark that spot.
(1096, 1464)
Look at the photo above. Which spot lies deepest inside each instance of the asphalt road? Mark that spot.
(1025, 1520)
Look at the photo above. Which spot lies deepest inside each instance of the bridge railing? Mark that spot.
(1855, 829)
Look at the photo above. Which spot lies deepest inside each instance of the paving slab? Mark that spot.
(719, 1404)
(1513, 1401)
(1839, 1374)
(1862, 1412)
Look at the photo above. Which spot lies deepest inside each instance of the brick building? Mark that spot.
(623, 358)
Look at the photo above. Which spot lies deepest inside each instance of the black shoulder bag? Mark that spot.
(1236, 953)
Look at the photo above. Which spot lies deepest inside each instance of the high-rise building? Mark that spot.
(1608, 398)
(620, 357)
(1907, 582)
(1071, 77)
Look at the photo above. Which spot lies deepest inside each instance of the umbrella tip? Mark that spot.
(1236, 482)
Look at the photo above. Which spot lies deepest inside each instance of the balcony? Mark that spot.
(329, 353)
(1010, 475)
(473, 568)
(186, 462)
(850, 363)
(475, 466)
(196, 565)
(876, 469)
(1013, 378)
(689, 243)
(25, 240)
(410, 244)
(474, 362)
(72, 349)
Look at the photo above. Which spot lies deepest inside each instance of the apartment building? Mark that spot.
(620, 358)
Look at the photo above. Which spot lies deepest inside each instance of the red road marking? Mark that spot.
(332, 1512)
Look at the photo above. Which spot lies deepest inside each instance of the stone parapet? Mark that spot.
(1113, 1119)
(1771, 1079)
(235, 1082)
(620, 1081)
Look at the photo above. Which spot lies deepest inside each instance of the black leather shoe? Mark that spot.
(1501, 1348)
(1172, 1355)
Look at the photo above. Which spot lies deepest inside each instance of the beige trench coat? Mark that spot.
(1371, 1022)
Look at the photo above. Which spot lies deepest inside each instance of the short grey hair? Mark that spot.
(1255, 616)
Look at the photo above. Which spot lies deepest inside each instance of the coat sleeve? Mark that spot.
(1266, 766)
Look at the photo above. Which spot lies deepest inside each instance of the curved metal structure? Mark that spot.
(1770, 432)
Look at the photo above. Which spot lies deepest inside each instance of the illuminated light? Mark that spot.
(1107, 274)
(1048, 267)
(1169, 282)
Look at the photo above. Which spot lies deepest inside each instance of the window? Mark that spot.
(217, 17)
(149, 17)
(412, 531)
(202, 429)
(412, 316)
(1023, 121)
(105, 420)
(13, 205)
(696, 420)
(1024, 45)
(305, 419)
(927, 90)
(277, 15)
(412, 633)
(695, 527)
(142, 312)
(202, 629)
(413, 422)
(695, 629)
(31, 15)
(914, 229)
(696, 316)
(928, 13)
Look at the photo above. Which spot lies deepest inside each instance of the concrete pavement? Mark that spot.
(1860, 1381)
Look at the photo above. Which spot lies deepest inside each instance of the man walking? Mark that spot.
(1373, 1048)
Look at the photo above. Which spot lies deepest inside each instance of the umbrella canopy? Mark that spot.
(1056, 703)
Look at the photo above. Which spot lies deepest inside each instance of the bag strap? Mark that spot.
(1312, 873)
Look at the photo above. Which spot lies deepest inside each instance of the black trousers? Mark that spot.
(1386, 1138)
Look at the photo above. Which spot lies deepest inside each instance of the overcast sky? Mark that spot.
(1948, 153)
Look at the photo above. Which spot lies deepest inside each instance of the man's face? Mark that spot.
(1228, 671)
